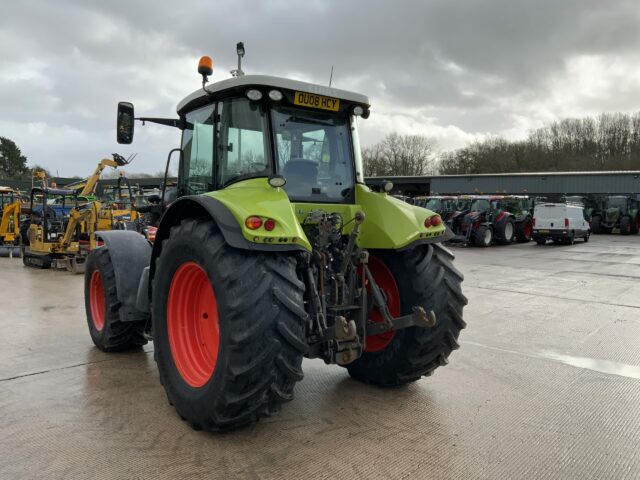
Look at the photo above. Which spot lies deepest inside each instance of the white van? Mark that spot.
(560, 222)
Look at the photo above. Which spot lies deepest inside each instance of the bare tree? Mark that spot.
(610, 141)
(400, 155)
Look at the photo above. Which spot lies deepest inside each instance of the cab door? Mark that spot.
(196, 175)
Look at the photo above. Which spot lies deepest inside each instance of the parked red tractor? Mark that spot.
(483, 221)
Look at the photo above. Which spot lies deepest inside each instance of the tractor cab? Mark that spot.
(443, 205)
(49, 213)
(8, 196)
(255, 126)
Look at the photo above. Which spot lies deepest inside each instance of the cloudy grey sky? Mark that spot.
(452, 70)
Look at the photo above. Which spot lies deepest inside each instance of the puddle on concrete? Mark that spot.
(597, 365)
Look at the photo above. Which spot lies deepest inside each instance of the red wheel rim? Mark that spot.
(384, 278)
(192, 323)
(96, 299)
(528, 229)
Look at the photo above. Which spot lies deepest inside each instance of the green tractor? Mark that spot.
(274, 250)
(521, 208)
(618, 211)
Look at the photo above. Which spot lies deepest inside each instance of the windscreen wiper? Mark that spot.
(309, 121)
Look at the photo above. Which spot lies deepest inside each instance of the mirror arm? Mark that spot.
(170, 122)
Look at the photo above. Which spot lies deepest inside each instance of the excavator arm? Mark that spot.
(92, 181)
(11, 211)
(87, 214)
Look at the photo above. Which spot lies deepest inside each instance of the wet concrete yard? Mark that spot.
(546, 384)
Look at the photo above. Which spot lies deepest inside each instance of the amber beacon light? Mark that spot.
(205, 67)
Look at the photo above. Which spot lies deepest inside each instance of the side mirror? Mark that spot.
(124, 129)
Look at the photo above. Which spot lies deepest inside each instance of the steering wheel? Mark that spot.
(257, 167)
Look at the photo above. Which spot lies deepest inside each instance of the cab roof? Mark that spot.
(244, 82)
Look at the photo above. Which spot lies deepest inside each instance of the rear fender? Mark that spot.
(205, 206)
(130, 255)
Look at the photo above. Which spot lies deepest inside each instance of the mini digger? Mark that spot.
(62, 222)
(118, 208)
(10, 209)
(274, 250)
(58, 237)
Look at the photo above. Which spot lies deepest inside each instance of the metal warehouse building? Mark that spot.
(622, 182)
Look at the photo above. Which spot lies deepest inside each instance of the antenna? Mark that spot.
(331, 76)
(240, 51)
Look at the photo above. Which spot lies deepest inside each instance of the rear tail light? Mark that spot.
(253, 222)
(566, 222)
(533, 222)
(269, 224)
(433, 221)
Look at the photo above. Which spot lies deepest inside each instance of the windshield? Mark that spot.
(480, 205)
(314, 154)
(617, 202)
(434, 204)
(463, 205)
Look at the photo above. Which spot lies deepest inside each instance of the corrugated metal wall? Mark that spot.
(543, 184)
(538, 183)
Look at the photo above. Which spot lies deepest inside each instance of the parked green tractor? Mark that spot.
(274, 250)
(618, 211)
(521, 206)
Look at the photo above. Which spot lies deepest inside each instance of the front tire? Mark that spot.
(228, 328)
(425, 276)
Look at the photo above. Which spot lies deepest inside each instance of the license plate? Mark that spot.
(543, 231)
(312, 100)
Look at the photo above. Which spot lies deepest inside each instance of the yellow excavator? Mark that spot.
(10, 205)
(118, 208)
(60, 230)
(63, 222)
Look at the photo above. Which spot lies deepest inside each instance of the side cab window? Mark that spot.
(196, 175)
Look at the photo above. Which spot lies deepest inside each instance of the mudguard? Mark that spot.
(196, 206)
(130, 254)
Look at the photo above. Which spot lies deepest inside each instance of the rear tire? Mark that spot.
(107, 331)
(586, 237)
(524, 230)
(251, 359)
(483, 236)
(625, 225)
(425, 276)
(505, 231)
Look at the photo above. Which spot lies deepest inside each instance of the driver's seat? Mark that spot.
(301, 175)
